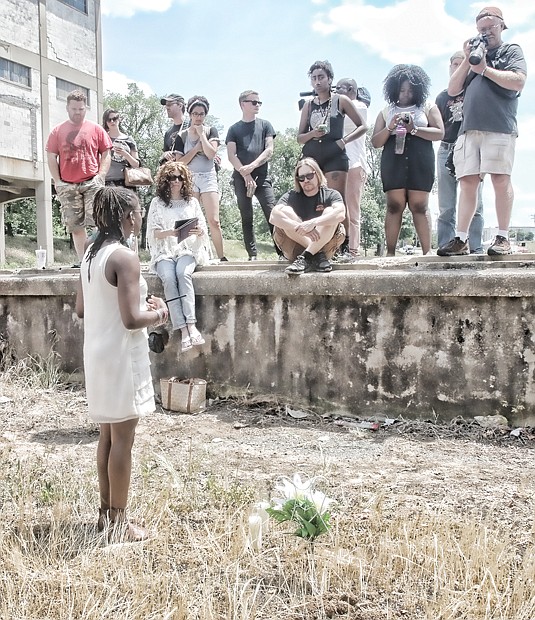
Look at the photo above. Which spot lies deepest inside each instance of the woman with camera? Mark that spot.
(408, 167)
(124, 150)
(174, 259)
(321, 128)
(197, 148)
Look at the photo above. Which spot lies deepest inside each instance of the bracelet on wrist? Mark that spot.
(162, 314)
(483, 72)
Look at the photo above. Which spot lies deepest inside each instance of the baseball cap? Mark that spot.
(491, 11)
(172, 97)
(363, 94)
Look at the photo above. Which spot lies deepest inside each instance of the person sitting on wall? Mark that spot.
(307, 221)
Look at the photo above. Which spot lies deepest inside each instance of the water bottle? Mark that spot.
(401, 132)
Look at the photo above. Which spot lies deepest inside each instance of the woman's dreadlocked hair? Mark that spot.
(417, 78)
(110, 205)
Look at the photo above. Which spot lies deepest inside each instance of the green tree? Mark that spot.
(20, 218)
(372, 222)
(229, 214)
(286, 154)
(373, 204)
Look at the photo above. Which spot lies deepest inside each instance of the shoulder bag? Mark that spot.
(136, 177)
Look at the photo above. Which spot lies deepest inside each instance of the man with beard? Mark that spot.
(308, 221)
(78, 156)
(175, 107)
(486, 142)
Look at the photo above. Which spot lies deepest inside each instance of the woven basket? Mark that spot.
(184, 395)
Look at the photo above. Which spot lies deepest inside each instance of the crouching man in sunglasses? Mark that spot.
(307, 221)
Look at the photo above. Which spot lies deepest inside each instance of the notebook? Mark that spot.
(184, 226)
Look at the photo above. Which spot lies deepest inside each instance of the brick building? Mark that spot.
(47, 49)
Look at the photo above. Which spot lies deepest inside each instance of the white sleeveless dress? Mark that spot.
(116, 360)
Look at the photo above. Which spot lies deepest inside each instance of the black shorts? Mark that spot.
(330, 157)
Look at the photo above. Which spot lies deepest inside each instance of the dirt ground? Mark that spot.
(459, 467)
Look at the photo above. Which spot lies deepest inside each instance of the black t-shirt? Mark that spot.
(171, 135)
(451, 110)
(308, 207)
(250, 140)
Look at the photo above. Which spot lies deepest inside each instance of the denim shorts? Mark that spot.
(205, 182)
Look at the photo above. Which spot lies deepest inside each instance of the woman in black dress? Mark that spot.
(407, 176)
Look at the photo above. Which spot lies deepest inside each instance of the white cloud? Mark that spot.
(411, 31)
(408, 31)
(129, 8)
(118, 83)
(524, 141)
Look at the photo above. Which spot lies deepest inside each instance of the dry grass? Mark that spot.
(383, 559)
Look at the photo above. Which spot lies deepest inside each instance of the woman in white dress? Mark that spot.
(112, 300)
(174, 258)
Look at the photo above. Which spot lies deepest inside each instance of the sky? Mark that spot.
(218, 48)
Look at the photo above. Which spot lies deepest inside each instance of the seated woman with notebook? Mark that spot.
(178, 240)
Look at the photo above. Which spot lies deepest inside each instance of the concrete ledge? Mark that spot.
(475, 276)
(412, 336)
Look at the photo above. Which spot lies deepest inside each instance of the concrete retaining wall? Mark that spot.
(417, 337)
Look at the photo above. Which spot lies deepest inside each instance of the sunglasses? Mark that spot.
(489, 29)
(308, 176)
(197, 113)
(253, 101)
(113, 119)
(176, 177)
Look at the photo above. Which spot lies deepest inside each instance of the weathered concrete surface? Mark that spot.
(415, 337)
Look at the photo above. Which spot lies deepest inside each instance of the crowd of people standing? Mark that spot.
(475, 120)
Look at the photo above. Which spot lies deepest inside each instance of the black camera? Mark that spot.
(405, 117)
(478, 48)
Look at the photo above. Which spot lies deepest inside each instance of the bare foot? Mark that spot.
(103, 519)
(127, 532)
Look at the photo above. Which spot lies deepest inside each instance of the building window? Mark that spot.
(81, 5)
(13, 72)
(63, 88)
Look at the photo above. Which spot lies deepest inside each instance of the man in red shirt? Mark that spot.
(78, 154)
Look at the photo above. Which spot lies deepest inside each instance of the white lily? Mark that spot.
(321, 501)
(303, 505)
(259, 509)
(254, 539)
(296, 488)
